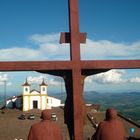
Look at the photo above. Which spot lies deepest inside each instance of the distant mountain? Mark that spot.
(125, 102)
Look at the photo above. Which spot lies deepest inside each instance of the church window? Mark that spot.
(26, 89)
(43, 88)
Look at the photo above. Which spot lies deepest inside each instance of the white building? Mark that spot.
(38, 99)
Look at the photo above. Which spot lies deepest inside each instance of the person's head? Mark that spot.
(46, 114)
(111, 113)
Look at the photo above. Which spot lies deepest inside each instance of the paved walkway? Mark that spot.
(11, 127)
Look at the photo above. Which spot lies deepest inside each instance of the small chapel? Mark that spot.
(34, 99)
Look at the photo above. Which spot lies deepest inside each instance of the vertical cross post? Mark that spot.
(74, 106)
(74, 31)
(76, 71)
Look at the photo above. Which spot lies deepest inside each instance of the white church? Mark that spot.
(33, 99)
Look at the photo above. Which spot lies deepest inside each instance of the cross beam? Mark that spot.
(68, 65)
(73, 72)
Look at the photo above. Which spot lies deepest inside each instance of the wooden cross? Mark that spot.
(73, 72)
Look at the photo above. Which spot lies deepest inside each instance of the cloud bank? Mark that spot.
(50, 80)
(112, 77)
(47, 47)
(36, 79)
(4, 78)
(105, 49)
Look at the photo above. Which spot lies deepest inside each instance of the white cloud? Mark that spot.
(49, 38)
(135, 80)
(47, 47)
(104, 49)
(50, 80)
(44, 47)
(36, 79)
(101, 49)
(4, 78)
(110, 77)
(56, 81)
(9, 84)
(20, 53)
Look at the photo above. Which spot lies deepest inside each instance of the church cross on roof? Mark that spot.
(26, 83)
(43, 83)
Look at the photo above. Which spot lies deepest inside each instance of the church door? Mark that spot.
(35, 104)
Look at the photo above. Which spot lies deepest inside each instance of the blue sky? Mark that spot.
(30, 29)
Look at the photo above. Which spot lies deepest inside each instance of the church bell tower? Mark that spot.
(43, 87)
(26, 87)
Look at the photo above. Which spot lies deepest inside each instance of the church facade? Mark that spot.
(34, 99)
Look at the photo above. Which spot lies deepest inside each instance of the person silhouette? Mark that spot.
(111, 128)
(45, 129)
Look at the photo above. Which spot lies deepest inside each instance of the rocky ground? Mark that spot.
(12, 128)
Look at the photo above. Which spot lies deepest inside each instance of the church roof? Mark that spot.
(43, 83)
(34, 90)
(26, 83)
